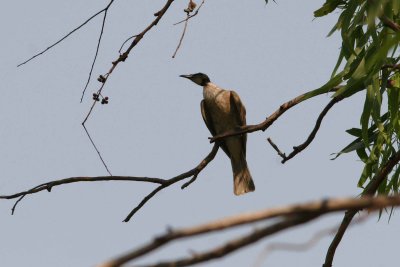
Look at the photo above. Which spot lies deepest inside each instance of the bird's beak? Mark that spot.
(187, 76)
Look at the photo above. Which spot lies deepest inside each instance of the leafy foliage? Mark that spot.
(368, 60)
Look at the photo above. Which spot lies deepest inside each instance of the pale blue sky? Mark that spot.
(153, 127)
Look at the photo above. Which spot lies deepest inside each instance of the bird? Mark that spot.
(222, 111)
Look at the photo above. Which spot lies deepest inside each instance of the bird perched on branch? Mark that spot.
(222, 111)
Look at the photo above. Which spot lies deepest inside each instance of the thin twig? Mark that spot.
(97, 150)
(188, 17)
(370, 190)
(191, 16)
(274, 146)
(95, 56)
(122, 57)
(182, 36)
(127, 40)
(66, 36)
(289, 216)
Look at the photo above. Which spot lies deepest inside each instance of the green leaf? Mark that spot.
(396, 7)
(362, 154)
(355, 145)
(366, 115)
(328, 7)
(327, 87)
(354, 132)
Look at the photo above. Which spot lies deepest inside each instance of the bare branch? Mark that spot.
(49, 185)
(391, 66)
(127, 40)
(299, 148)
(163, 183)
(370, 190)
(66, 36)
(182, 36)
(290, 216)
(390, 23)
(274, 146)
(95, 56)
(188, 10)
(235, 244)
(193, 172)
(97, 150)
(191, 16)
(122, 57)
(273, 117)
(299, 247)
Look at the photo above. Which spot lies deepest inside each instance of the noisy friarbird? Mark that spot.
(223, 111)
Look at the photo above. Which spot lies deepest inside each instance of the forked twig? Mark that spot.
(193, 172)
(163, 183)
(185, 27)
(67, 35)
(310, 138)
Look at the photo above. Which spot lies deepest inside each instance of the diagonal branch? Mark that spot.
(299, 148)
(188, 17)
(370, 190)
(390, 23)
(288, 216)
(95, 55)
(122, 57)
(192, 173)
(238, 243)
(304, 246)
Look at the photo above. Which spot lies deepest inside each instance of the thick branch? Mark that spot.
(290, 216)
(349, 215)
(238, 243)
(303, 246)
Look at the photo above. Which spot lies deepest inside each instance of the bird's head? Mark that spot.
(198, 78)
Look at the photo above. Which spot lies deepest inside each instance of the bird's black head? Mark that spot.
(198, 78)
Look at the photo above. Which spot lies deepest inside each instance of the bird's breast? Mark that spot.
(219, 108)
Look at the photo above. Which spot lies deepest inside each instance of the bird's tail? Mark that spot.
(243, 183)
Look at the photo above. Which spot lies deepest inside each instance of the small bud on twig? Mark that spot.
(101, 79)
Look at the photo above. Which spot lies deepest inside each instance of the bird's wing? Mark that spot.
(239, 111)
(208, 121)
